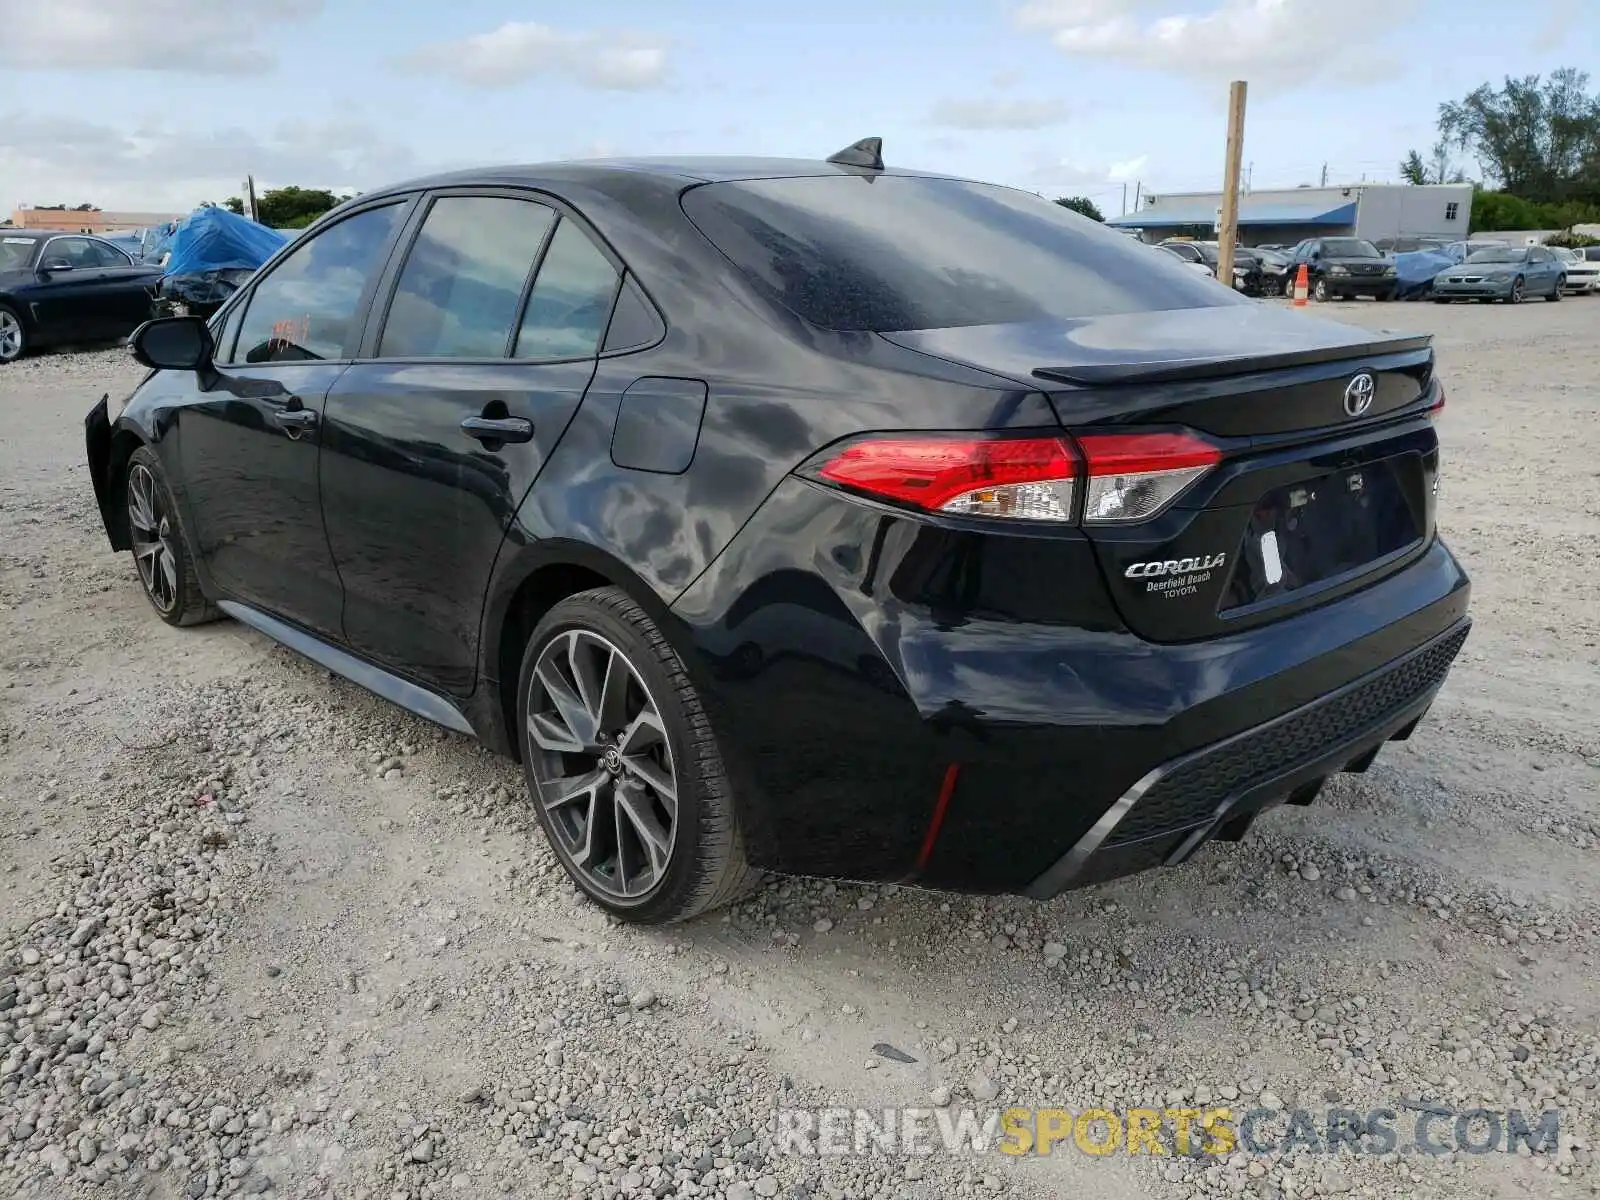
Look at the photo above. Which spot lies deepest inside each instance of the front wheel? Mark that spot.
(13, 337)
(622, 764)
(1516, 291)
(166, 571)
(1319, 291)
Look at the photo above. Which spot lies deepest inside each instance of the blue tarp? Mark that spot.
(1414, 271)
(214, 239)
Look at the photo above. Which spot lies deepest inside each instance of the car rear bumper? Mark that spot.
(1178, 806)
(897, 701)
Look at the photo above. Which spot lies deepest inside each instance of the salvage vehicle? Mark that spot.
(60, 288)
(211, 252)
(1342, 268)
(1582, 274)
(809, 517)
(1503, 273)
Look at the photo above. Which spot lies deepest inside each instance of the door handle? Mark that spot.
(295, 417)
(498, 429)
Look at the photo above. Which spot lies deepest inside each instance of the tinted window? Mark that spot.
(462, 282)
(903, 252)
(16, 253)
(306, 308)
(1592, 253)
(634, 323)
(76, 252)
(108, 255)
(571, 299)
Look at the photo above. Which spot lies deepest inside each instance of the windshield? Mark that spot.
(1349, 248)
(900, 252)
(1503, 254)
(15, 253)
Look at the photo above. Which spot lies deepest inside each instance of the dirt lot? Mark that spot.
(264, 935)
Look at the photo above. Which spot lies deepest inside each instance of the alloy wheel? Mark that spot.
(10, 337)
(1516, 290)
(150, 525)
(602, 765)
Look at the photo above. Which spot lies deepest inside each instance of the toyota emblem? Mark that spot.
(1358, 394)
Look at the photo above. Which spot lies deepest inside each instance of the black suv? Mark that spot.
(1344, 267)
(806, 517)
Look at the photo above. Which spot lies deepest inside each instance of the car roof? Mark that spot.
(31, 234)
(602, 173)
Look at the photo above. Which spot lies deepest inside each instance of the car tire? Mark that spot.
(1555, 292)
(1319, 291)
(1384, 297)
(160, 553)
(657, 839)
(1441, 299)
(1516, 291)
(13, 335)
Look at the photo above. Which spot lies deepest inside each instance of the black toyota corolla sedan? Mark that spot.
(806, 517)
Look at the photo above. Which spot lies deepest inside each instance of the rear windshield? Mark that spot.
(896, 252)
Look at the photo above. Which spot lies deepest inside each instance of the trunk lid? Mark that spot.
(1325, 485)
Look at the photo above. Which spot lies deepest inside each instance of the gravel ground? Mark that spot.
(264, 935)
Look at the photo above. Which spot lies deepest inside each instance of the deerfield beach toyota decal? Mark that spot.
(1172, 577)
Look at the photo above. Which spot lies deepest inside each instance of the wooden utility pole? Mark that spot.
(1228, 226)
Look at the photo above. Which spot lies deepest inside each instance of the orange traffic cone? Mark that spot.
(1302, 286)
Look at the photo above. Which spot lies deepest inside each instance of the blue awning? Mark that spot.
(1182, 213)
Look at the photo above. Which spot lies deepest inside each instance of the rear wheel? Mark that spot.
(13, 337)
(622, 764)
(165, 570)
(1555, 292)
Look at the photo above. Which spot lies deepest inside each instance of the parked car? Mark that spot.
(1505, 273)
(1246, 267)
(1277, 279)
(1098, 559)
(1407, 245)
(1344, 267)
(1189, 257)
(1582, 273)
(57, 288)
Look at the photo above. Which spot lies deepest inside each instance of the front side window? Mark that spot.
(902, 252)
(74, 252)
(462, 282)
(307, 308)
(571, 298)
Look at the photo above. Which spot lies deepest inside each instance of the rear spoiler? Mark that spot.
(1175, 370)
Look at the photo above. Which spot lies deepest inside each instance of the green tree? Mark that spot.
(1538, 138)
(1082, 205)
(293, 207)
(234, 205)
(1437, 168)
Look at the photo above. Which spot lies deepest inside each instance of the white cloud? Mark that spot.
(205, 36)
(1275, 42)
(521, 50)
(57, 160)
(1075, 173)
(997, 113)
(1122, 172)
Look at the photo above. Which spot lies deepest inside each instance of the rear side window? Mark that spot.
(898, 252)
(571, 299)
(307, 307)
(462, 282)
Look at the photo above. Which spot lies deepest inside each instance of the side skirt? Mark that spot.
(430, 706)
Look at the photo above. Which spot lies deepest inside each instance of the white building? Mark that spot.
(1366, 210)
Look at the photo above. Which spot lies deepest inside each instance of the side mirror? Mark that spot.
(51, 265)
(173, 344)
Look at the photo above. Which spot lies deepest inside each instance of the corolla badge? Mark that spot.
(1358, 394)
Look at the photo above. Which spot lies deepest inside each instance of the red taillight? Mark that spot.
(1027, 478)
(1437, 406)
(1134, 476)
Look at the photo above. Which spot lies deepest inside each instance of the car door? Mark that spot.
(249, 441)
(469, 378)
(126, 286)
(72, 301)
